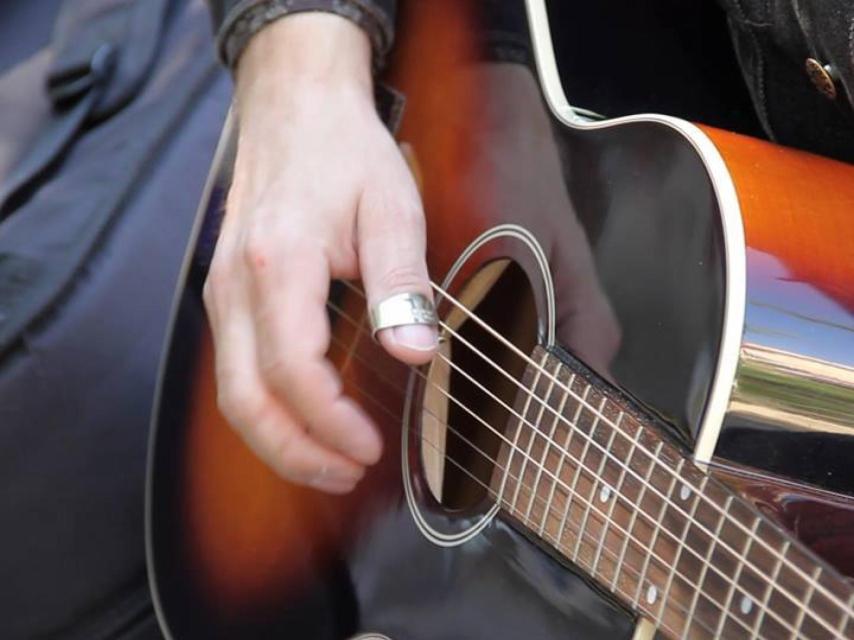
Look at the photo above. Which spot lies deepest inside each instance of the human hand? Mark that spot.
(320, 191)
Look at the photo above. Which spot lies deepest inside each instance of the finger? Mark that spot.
(290, 319)
(391, 240)
(267, 427)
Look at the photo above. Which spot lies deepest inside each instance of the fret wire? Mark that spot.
(561, 409)
(846, 618)
(635, 512)
(656, 529)
(706, 564)
(599, 414)
(680, 547)
(617, 490)
(594, 481)
(581, 459)
(485, 455)
(534, 430)
(799, 622)
(590, 570)
(770, 588)
(514, 348)
(557, 543)
(700, 526)
(542, 462)
(564, 454)
(740, 558)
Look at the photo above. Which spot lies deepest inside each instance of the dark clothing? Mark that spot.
(235, 21)
(773, 40)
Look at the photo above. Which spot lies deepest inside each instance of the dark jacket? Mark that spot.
(797, 56)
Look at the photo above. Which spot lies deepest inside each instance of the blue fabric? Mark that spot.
(106, 233)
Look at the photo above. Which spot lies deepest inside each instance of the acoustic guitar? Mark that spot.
(639, 420)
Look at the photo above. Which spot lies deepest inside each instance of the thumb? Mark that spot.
(391, 240)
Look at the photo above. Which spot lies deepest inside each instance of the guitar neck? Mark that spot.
(592, 477)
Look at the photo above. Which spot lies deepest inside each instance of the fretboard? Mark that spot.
(591, 476)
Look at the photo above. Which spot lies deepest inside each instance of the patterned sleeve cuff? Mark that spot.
(250, 16)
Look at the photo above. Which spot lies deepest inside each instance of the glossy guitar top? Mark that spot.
(707, 276)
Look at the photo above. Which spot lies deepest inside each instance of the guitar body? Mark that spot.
(727, 264)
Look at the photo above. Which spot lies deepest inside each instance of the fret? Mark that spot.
(799, 622)
(547, 444)
(790, 590)
(514, 446)
(569, 495)
(618, 488)
(706, 564)
(636, 511)
(759, 563)
(559, 467)
(590, 439)
(740, 558)
(525, 424)
(846, 619)
(652, 592)
(732, 580)
(680, 547)
(597, 479)
(578, 469)
(832, 611)
(757, 625)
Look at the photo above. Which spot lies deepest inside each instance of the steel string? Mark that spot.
(571, 493)
(556, 540)
(652, 458)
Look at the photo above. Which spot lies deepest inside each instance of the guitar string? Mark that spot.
(568, 454)
(592, 538)
(570, 491)
(846, 610)
(653, 459)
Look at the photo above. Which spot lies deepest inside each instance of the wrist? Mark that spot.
(304, 54)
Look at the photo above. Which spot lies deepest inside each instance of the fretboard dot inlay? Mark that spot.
(651, 594)
(602, 487)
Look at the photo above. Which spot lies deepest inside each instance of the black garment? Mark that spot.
(772, 39)
(235, 21)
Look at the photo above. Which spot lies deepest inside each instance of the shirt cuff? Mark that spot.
(250, 16)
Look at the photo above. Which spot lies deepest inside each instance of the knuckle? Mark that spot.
(291, 458)
(257, 252)
(278, 371)
(238, 405)
(403, 278)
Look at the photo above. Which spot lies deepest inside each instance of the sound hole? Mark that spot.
(469, 403)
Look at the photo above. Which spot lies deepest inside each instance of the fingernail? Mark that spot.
(420, 337)
(333, 486)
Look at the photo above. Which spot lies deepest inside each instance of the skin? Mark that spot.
(320, 191)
